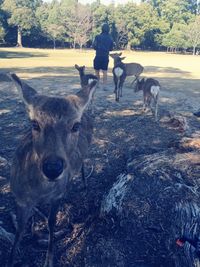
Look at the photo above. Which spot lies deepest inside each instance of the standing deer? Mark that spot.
(119, 76)
(151, 90)
(86, 79)
(121, 70)
(49, 155)
(132, 69)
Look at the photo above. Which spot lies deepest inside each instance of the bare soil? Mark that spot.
(122, 133)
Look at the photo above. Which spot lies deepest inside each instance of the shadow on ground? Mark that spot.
(96, 241)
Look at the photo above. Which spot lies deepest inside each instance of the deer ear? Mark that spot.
(76, 66)
(122, 58)
(27, 92)
(85, 96)
(120, 54)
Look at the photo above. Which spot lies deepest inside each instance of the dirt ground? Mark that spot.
(122, 134)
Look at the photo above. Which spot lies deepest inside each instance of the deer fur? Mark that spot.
(151, 90)
(132, 69)
(86, 79)
(119, 76)
(49, 156)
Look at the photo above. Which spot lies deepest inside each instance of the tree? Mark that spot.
(176, 11)
(78, 23)
(49, 18)
(21, 14)
(2, 34)
(193, 34)
(121, 38)
(176, 39)
(2, 25)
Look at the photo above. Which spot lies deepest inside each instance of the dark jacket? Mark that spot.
(103, 44)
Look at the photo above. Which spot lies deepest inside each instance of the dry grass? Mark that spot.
(156, 64)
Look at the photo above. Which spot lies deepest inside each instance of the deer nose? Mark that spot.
(52, 167)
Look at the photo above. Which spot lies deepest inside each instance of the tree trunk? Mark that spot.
(194, 49)
(19, 37)
(54, 43)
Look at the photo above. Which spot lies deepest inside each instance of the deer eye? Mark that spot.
(76, 127)
(35, 125)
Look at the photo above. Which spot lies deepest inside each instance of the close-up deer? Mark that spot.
(151, 90)
(49, 156)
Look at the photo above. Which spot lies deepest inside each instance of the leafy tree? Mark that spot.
(2, 24)
(21, 14)
(77, 22)
(121, 38)
(49, 19)
(193, 34)
(175, 39)
(175, 11)
(2, 34)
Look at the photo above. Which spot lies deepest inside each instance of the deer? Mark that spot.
(119, 76)
(49, 155)
(86, 79)
(151, 90)
(132, 69)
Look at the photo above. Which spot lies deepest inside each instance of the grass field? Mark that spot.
(36, 62)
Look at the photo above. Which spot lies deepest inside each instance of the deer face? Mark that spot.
(56, 126)
(139, 85)
(117, 58)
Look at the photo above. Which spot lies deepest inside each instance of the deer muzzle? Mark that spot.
(52, 167)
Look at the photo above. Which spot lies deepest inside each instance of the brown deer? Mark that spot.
(86, 79)
(151, 90)
(119, 76)
(132, 69)
(49, 155)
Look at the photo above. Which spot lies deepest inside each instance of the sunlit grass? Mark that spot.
(33, 62)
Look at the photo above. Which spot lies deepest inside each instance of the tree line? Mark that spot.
(151, 25)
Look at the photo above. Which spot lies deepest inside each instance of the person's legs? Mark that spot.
(105, 72)
(97, 73)
(105, 76)
(97, 67)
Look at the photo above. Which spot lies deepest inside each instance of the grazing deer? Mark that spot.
(49, 155)
(132, 69)
(86, 79)
(151, 90)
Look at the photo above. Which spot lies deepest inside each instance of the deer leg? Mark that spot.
(23, 214)
(51, 224)
(115, 82)
(117, 95)
(145, 104)
(136, 77)
(120, 87)
(156, 108)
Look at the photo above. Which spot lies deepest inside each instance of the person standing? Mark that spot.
(102, 44)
